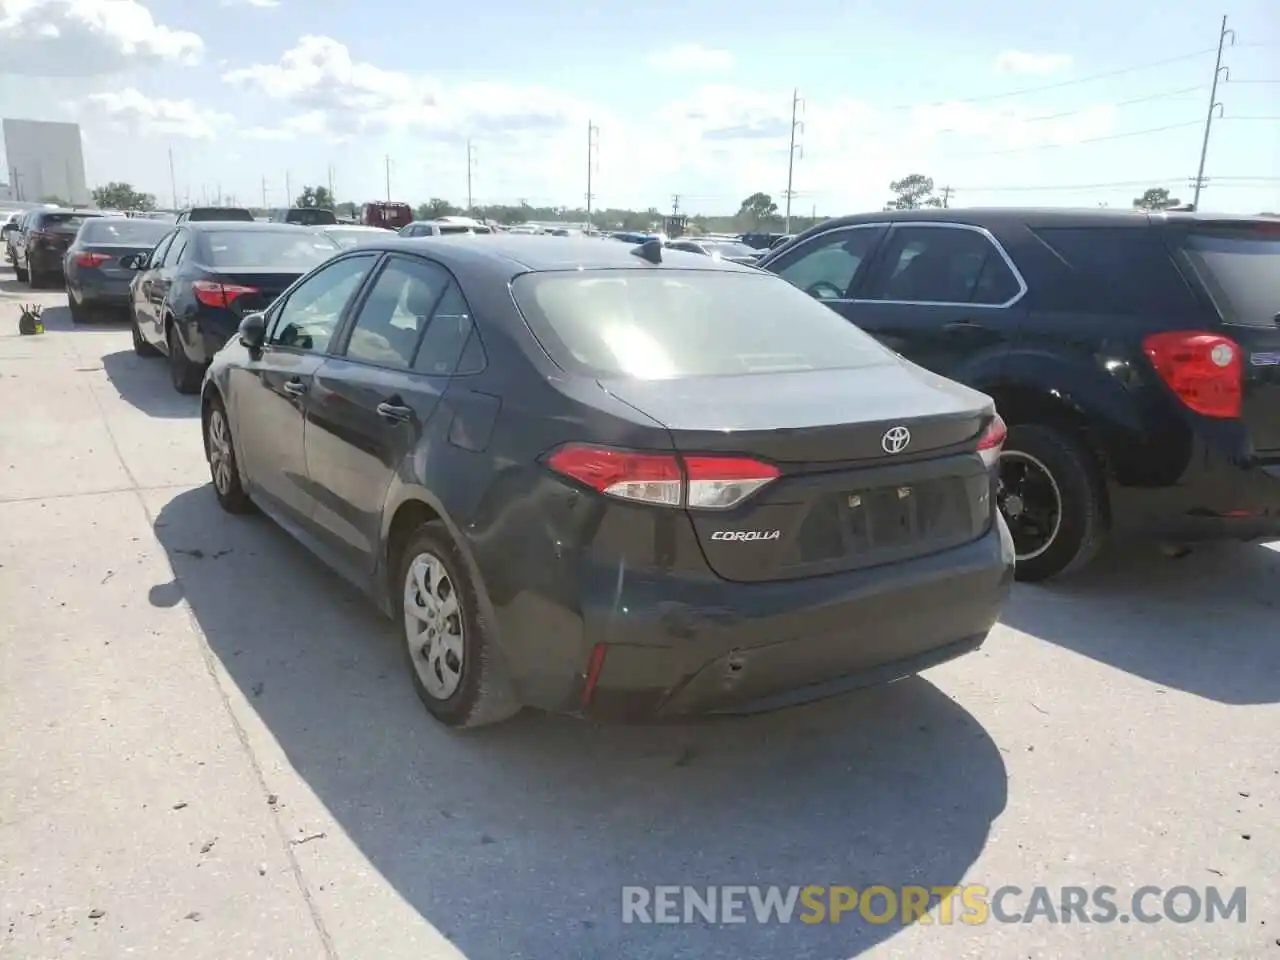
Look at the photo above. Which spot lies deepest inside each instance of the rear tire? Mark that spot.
(79, 311)
(140, 346)
(224, 468)
(186, 376)
(470, 690)
(1042, 463)
(21, 273)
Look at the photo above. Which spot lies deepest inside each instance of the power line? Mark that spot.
(1164, 95)
(1246, 182)
(1077, 143)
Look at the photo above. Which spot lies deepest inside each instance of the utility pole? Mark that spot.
(796, 124)
(471, 159)
(15, 180)
(1218, 71)
(288, 189)
(946, 197)
(332, 198)
(219, 203)
(264, 193)
(675, 205)
(173, 180)
(388, 158)
(593, 143)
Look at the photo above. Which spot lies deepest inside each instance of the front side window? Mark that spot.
(942, 265)
(397, 310)
(308, 318)
(826, 267)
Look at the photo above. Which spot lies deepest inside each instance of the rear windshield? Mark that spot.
(644, 325)
(219, 213)
(140, 232)
(60, 220)
(284, 249)
(1240, 267)
(311, 217)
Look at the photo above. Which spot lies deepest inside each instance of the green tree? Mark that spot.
(1156, 198)
(912, 192)
(757, 208)
(435, 208)
(121, 196)
(314, 197)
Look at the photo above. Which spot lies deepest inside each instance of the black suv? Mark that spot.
(1135, 357)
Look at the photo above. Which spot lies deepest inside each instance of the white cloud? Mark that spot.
(261, 4)
(82, 38)
(1019, 61)
(690, 58)
(154, 116)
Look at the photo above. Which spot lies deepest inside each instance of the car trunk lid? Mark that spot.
(875, 465)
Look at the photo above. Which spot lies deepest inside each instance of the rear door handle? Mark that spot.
(295, 387)
(394, 412)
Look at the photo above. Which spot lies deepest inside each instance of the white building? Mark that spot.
(45, 159)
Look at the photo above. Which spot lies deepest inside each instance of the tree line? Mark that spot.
(759, 211)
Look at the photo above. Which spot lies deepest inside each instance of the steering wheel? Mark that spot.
(824, 290)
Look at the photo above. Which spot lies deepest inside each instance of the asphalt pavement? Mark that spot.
(209, 749)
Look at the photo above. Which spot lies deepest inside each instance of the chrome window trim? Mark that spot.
(1004, 255)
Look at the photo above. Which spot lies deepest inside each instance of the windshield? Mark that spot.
(139, 232)
(686, 323)
(283, 249)
(1240, 267)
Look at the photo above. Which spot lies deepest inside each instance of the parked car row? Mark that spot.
(639, 479)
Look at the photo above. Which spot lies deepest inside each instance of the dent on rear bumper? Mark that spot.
(678, 646)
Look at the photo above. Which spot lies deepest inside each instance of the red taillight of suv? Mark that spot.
(992, 440)
(1205, 370)
(662, 479)
(214, 294)
(91, 259)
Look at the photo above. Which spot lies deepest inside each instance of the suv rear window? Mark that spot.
(285, 249)
(651, 325)
(1240, 269)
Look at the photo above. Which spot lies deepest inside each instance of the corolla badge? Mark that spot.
(746, 535)
(895, 439)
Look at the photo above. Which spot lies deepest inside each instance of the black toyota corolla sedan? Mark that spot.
(613, 480)
(188, 295)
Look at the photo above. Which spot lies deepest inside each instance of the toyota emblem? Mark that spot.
(895, 439)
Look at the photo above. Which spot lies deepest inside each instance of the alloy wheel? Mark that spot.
(433, 626)
(1028, 496)
(221, 458)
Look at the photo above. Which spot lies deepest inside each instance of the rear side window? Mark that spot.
(1240, 269)
(1117, 270)
(662, 324)
(944, 265)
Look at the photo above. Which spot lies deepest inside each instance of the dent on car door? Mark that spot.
(375, 398)
(944, 296)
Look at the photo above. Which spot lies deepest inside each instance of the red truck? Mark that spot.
(388, 215)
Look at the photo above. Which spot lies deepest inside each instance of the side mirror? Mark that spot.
(133, 261)
(253, 330)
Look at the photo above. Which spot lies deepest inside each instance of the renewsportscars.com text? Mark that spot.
(971, 904)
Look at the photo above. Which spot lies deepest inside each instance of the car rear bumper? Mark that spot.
(678, 647)
(45, 261)
(1216, 498)
(101, 290)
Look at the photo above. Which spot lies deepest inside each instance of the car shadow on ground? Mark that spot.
(1205, 623)
(518, 838)
(144, 382)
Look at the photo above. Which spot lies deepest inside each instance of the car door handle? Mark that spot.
(295, 387)
(394, 412)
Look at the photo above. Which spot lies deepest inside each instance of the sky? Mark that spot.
(1006, 103)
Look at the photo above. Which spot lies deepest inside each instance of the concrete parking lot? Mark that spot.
(210, 749)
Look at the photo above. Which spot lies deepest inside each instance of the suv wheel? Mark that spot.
(1053, 499)
(450, 650)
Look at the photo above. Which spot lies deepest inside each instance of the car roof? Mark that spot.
(1031, 216)
(505, 255)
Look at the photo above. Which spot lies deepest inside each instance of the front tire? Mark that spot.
(224, 468)
(1053, 498)
(451, 653)
(186, 376)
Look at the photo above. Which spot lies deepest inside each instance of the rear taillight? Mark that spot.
(214, 294)
(992, 440)
(700, 482)
(40, 236)
(1205, 370)
(91, 259)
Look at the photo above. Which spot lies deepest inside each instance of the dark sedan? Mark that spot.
(189, 294)
(95, 276)
(595, 478)
(42, 241)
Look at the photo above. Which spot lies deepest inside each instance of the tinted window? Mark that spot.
(452, 228)
(142, 233)
(311, 216)
(395, 312)
(282, 248)
(826, 266)
(1241, 270)
(63, 221)
(446, 335)
(1120, 270)
(218, 213)
(161, 249)
(176, 249)
(313, 310)
(686, 323)
(942, 265)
